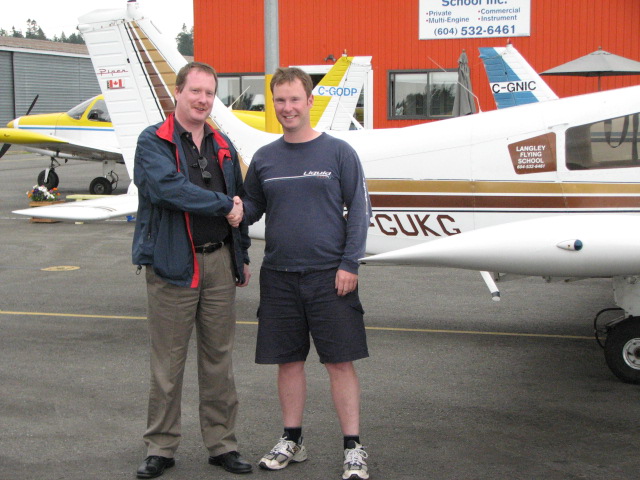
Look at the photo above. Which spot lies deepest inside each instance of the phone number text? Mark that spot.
(475, 31)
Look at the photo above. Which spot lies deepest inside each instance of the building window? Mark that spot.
(244, 92)
(421, 94)
(611, 143)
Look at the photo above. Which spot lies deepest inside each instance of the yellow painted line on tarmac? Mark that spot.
(389, 329)
(73, 315)
(475, 332)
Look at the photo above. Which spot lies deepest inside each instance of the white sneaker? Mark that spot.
(355, 463)
(285, 452)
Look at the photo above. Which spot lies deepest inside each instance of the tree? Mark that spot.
(62, 38)
(185, 41)
(16, 33)
(34, 31)
(75, 38)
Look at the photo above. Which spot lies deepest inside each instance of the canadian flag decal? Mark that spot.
(112, 84)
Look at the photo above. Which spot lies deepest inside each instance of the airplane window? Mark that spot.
(245, 92)
(611, 143)
(77, 111)
(228, 89)
(421, 94)
(99, 112)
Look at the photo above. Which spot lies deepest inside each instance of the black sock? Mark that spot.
(293, 434)
(349, 441)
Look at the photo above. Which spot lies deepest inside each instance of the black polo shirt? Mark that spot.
(206, 229)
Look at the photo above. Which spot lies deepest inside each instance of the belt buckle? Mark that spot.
(209, 247)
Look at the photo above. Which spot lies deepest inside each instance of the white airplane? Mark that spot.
(511, 79)
(86, 133)
(550, 189)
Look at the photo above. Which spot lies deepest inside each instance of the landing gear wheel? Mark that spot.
(100, 186)
(52, 179)
(622, 350)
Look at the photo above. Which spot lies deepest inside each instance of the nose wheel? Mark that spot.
(48, 178)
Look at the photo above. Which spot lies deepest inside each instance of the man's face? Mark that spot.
(292, 105)
(195, 101)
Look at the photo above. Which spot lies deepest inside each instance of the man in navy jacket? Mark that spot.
(189, 238)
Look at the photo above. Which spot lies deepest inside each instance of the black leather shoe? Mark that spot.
(154, 466)
(231, 462)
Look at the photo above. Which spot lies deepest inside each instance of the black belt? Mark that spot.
(209, 247)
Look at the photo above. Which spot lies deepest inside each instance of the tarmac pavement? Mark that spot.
(457, 386)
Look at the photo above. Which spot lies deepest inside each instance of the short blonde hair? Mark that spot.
(288, 75)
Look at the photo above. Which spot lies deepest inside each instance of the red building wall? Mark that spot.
(230, 35)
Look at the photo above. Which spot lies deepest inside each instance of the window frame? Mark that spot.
(391, 76)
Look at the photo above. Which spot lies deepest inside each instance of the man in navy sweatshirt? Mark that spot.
(309, 277)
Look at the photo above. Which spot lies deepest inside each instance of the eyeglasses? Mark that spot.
(202, 163)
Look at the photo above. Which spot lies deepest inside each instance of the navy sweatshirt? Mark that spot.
(303, 189)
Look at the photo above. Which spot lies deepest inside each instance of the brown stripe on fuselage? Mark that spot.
(379, 201)
(160, 74)
(495, 187)
(456, 194)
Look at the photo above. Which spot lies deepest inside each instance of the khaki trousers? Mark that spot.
(172, 313)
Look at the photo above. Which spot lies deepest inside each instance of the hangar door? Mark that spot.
(61, 81)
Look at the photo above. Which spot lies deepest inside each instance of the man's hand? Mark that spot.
(234, 217)
(345, 282)
(247, 276)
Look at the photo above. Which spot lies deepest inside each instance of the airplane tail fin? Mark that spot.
(336, 95)
(512, 80)
(136, 66)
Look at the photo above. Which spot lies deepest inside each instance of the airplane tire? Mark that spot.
(100, 186)
(622, 350)
(52, 179)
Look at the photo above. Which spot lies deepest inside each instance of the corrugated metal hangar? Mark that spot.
(418, 40)
(60, 73)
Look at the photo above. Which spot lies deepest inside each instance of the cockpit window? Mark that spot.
(99, 112)
(77, 111)
(611, 143)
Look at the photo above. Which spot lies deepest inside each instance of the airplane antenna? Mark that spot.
(239, 97)
(469, 91)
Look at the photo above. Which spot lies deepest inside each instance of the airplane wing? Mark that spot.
(88, 210)
(51, 145)
(565, 246)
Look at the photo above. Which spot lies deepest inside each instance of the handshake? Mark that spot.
(234, 217)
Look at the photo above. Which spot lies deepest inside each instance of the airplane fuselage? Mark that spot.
(465, 173)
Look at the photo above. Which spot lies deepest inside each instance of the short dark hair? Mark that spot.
(181, 78)
(288, 75)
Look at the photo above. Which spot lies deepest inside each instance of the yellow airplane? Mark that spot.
(86, 133)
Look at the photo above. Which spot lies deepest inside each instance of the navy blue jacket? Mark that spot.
(166, 198)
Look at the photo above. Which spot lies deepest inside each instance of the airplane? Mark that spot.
(86, 133)
(550, 189)
(511, 79)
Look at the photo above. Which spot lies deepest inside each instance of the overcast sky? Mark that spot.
(55, 17)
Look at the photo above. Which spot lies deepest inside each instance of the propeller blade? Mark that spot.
(32, 105)
(4, 149)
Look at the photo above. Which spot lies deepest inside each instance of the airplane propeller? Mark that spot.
(7, 146)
